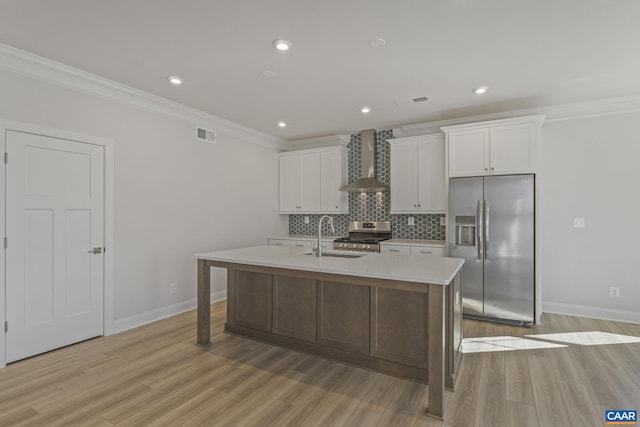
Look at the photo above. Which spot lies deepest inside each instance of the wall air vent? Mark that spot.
(206, 135)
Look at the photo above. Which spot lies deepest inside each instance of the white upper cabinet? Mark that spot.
(468, 152)
(333, 175)
(300, 183)
(418, 174)
(289, 184)
(500, 147)
(431, 174)
(310, 181)
(404, 177)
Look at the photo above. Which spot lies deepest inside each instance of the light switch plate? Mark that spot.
(410, 221)
(443, 220)
(579, 223)
(306, 220)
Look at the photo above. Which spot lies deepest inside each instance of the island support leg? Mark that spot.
(436, 351)
(204, 303)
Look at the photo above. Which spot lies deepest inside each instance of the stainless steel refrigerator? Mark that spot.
(491, 226)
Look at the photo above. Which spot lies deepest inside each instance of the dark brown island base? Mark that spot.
(369, 311)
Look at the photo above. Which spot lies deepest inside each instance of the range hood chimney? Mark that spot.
(367, 180)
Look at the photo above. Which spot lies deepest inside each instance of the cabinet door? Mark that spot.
(469, 152)
(309, 176)
(343, 316)
(427, 251)
(431, 176)
(404, 177)
(512, 149)
(331, 179)
(399, 326)
(289, 184)
(294, 307)
(249, 300)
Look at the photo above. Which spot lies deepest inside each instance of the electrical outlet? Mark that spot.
(410, 221)
(306, 220)
(173, 288)
(443, 220)
(579, 223)
(614, 292)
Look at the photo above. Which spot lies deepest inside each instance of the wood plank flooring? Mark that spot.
(155, 375)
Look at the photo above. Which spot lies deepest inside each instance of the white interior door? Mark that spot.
(54, 218)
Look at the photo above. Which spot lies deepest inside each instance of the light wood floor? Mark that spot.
(155, 375)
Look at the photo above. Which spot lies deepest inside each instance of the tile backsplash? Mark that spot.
(372, 206)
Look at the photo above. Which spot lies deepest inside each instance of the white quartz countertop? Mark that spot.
(433, 270)
(409, 242)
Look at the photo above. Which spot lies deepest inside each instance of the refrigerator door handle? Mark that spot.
(479, 225)
(486, 230)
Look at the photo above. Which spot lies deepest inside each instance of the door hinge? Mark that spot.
(6, 243)
(6, 158)
(6, 326)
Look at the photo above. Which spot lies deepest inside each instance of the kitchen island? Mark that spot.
(396, 314)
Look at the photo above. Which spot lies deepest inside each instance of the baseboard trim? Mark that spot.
(137, 320)
(593, 312)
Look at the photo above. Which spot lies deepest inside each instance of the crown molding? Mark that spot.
(538, 119)
(555, 113)
(319, 142)
(27, 64)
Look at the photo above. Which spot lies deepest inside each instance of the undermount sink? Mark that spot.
(338, 254)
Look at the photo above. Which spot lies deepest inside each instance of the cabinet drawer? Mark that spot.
(427, 251)
(301, 244)
(395, 249)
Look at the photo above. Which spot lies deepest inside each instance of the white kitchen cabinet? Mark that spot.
(395, 249)
(411, 247)
(310, 181)
(333, 175)
(499, 147)
(418, 174)
(427, 250)
(302, 243)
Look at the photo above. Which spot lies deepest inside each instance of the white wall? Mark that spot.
(174, 195)
(590, 168)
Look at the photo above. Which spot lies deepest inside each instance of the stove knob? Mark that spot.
(354, 246)
(368, 246)
(344, 245)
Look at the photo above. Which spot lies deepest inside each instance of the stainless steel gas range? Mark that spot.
(364, 236)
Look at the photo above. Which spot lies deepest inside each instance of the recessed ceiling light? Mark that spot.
(366, 110)
(480, 90)
(175, 80)
(282, 45)
(376, 43)
(282, 124)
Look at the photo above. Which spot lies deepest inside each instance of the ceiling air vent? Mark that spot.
(206, 135)
(412, 100)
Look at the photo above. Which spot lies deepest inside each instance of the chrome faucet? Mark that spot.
(333, 230)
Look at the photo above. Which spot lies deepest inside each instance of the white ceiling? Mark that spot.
(529, 53)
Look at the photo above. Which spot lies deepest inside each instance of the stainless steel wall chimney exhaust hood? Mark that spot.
(367, 180)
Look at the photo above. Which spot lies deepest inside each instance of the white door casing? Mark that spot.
(58, 199)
